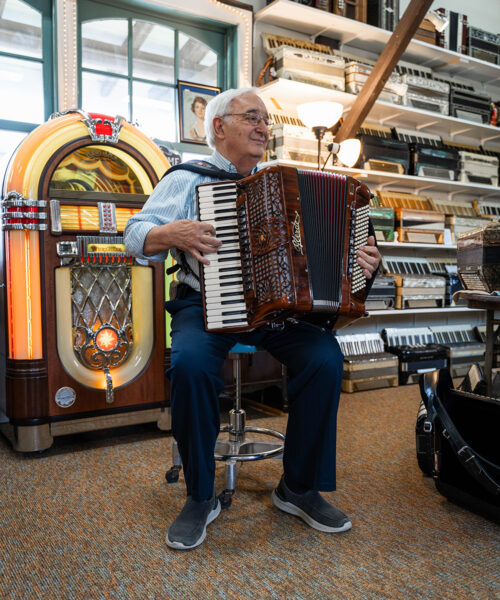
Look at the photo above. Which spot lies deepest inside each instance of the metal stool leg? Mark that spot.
(172, 475)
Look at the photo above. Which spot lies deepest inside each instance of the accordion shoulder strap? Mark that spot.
(203, 167)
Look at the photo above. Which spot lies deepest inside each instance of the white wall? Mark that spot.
(484, 14)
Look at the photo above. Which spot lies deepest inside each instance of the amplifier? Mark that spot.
(484, 45)
(383, 13)
(454, 37)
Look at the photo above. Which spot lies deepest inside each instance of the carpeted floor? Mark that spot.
(86, 520)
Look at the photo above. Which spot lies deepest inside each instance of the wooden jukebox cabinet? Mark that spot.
(83, 332)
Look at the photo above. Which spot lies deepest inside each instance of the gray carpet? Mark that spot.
(86, 520)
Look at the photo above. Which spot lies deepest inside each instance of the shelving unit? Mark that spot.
(285, 94)
(297, 20)
(314, 22)
(420, 311)
(381, 180)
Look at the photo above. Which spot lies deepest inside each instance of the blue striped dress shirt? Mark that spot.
(172, 199)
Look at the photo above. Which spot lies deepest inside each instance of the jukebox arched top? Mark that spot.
(76, 151)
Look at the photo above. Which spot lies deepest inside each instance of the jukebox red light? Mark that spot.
(106, 340)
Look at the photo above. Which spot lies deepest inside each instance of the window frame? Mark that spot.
(202, 29)
(45, 7)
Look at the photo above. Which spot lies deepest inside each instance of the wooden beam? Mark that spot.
(388, 59)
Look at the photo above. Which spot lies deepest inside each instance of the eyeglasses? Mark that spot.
(253, 118)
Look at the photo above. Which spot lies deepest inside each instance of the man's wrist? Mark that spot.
(157, 240)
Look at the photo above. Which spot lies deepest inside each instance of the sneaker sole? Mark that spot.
(290, 508)
(211, 517)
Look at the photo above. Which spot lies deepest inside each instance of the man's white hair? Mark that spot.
(218, 107)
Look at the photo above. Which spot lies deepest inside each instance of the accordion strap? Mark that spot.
(472, 462)
(203, 167)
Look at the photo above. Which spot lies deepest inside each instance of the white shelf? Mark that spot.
(418, 185)
(313, 22)
(286, 94)
(417, 246)
(416, 311)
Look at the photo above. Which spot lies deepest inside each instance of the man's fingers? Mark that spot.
(199, 257)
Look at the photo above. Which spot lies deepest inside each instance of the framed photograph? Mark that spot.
(193, 98)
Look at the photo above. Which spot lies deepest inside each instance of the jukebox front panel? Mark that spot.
(85, 321)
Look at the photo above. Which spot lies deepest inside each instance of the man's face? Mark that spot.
(243, 139)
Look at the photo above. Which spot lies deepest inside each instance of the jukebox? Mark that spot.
(83, 342)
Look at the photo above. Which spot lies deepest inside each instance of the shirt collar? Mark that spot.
(223, 163)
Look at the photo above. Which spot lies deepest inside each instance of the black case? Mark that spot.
(458, 443)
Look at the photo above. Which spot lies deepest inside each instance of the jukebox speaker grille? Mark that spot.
(102, 314)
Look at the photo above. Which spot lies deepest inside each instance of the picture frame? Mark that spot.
(192, 99)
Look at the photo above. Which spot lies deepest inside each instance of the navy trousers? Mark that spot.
(314, 363)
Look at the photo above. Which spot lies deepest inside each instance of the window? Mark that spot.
(130, 63)
(25, 70)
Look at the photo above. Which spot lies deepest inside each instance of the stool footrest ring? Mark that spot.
(251, 449)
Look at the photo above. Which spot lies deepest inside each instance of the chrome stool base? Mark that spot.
(234, 447)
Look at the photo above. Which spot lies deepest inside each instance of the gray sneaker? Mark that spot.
(189, 529)
(312, 508)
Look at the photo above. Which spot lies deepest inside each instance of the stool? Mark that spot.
(234, 447)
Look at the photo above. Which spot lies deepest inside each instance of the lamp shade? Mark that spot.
(320, 114)
(348, 153)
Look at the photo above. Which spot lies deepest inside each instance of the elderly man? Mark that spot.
(236, 124)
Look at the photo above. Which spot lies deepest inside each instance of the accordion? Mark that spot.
(289, 242)
(478, 258)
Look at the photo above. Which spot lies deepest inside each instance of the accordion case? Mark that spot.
(458, 444)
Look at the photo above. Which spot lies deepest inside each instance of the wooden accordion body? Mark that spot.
(299, 232)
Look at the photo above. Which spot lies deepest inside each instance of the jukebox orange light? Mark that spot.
(21, 221)
(106, 340)
(85, 320)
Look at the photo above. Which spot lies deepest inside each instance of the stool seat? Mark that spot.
(233, 446)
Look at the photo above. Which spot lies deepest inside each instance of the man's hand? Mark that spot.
(191, 236)
(369, 257)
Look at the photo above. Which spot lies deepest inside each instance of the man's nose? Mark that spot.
(262, 127)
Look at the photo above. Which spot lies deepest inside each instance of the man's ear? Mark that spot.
(218, 124)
